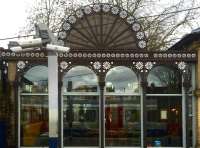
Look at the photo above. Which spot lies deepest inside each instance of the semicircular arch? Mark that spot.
(79, 79)
(102, 26)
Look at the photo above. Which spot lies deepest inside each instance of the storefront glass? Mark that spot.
(34, 107)
(80, 108)
(164, 108)
(122, 108)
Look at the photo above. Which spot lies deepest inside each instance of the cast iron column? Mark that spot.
(143, 104)
(102, 112)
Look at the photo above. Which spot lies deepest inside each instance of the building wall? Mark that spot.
(11, 106)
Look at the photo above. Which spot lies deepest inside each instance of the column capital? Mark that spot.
(101, 82)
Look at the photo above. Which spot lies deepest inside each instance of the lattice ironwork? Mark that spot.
(101, 26)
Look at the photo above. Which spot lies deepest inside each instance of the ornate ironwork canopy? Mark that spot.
(102, 36)
(102, 26)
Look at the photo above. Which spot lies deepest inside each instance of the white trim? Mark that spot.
(97, 93)
(122, 94)
(33, 94)
(164, 95)
(53, 94)
(80, 94)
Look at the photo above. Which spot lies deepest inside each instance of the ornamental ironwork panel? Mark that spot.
(102, 26)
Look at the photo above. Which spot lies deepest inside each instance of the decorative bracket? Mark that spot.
(101, 67)
(144, 66)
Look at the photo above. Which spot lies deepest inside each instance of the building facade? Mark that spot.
(111, 91)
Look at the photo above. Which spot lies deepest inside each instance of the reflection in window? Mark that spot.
(35, 80)
(34, 108)
(164, 121)
(122, 112)
(80, 79)
(81, 108)
(121, 79)
(164, 112)
(164, 80)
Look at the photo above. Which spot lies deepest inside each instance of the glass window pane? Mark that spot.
(164, 121)
(122, 113)
(34, 120)
(122, 80)
(80, 110)
(81, 120)
(122, 125)
(35, 80)
(163, 80)
(80, 79)
(34, 108)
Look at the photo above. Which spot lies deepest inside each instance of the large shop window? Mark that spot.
(80, 108)
(122, 108)
(164, 108)
(34, 107)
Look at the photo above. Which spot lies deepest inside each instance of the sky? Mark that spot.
(13, 14)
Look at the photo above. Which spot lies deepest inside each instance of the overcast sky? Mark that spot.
(13, 14)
